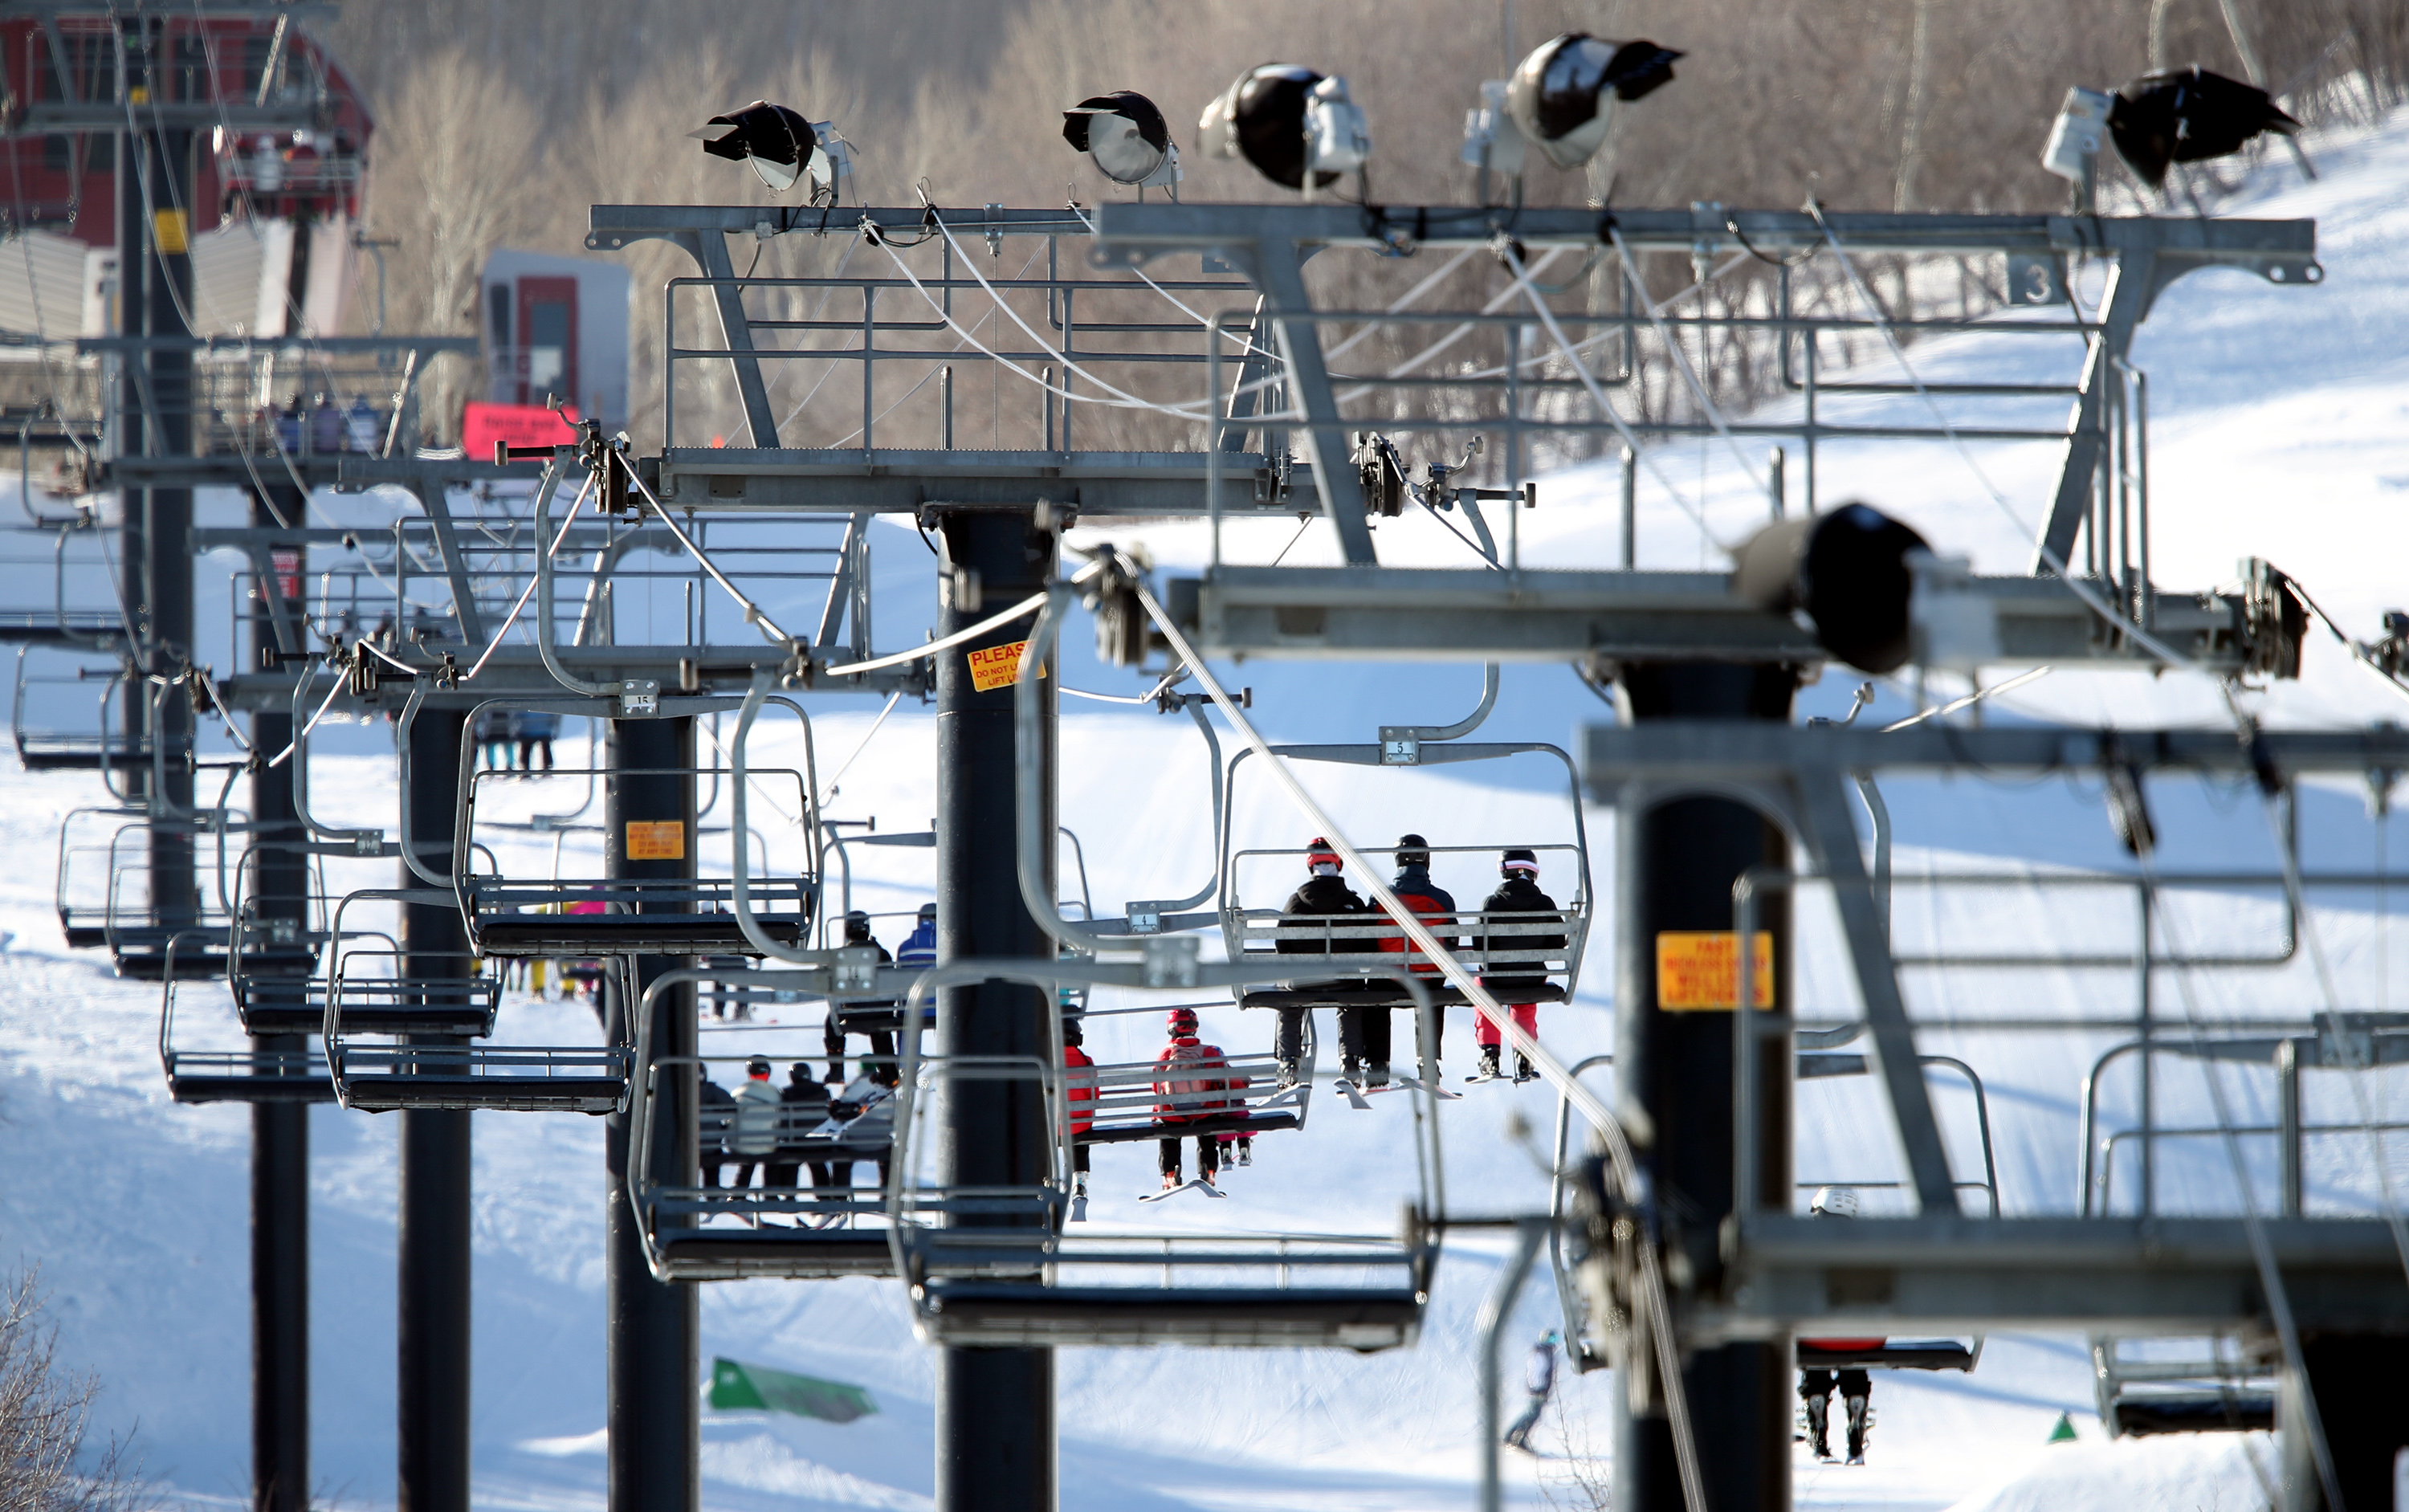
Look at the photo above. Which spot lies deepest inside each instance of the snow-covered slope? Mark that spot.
(2279, 418)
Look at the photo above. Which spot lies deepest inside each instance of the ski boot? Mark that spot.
(1171, 1182)
(1524, 1071)
(1079, 1197)
(1860, 1419)
(1378, 1075)
(1287, 1075)
(1352, 1070)
(1488, 1069)
(1819, 1437)
(1246, 1152)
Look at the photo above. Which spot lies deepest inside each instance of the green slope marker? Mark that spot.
(2063, 1431)
(737, 1385)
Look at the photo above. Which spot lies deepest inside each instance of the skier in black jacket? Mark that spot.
(1519, 893)
(1435, 907)
(1323, 893)
(862, 1015)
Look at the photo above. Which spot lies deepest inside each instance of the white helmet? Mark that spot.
(1834, 1202)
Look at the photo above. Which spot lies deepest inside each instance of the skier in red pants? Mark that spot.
(1517, 893)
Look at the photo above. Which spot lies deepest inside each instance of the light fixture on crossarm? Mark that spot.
(1296, 126)
(782, 147)
(1125, 135)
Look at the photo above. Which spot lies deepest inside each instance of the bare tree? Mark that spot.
(45, 1416)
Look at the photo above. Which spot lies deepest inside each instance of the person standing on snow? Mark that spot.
(1856, 1386)
(1435, 906)
(1188, 1075)
(1518, 893)
(1323, 895)
(1540, 1380)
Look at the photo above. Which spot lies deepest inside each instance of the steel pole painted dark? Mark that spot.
(158, 166)
(654, 1413)
(434, 1239)
(279, 1131)
(129, 436)
(1679, 861)
(995, 1407)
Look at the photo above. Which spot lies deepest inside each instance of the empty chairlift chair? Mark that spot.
(42, 748)
(593, 917)
(400, 995)
(1000, 1266)
(235, 1076)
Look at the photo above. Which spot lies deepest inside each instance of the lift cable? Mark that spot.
(1618, 1144)
(1680, 359)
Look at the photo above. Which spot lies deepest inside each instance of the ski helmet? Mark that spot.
(1320, 853)
(856, 927)
(758, 1067)
(1412, 850)
(1834, 1202)
(1181, 1021)
(1518, 861)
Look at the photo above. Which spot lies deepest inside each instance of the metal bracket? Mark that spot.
(640, 698)
(1171, 960)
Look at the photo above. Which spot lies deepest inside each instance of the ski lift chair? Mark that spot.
(365, 993)
(146, 944)
(80, 884)
(1354, 950)
(53, 750)
(594, 917)
(698, 1231)
(2228, 1390)
(231, 1075)
(987, 1266)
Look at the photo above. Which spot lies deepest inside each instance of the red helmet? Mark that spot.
(1321, 852)
(1181, 1021)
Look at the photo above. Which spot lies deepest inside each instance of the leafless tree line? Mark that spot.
(45, 1418)
(499, 125)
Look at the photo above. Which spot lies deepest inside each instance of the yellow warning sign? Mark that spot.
(167, 228)
(995, 667)
(1699, 969)
(656, 839)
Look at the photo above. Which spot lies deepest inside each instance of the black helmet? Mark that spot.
(1412, 850)
(856, 926)
(756, 1067)
(1517, 861)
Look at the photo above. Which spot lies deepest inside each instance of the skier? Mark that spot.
(1435, 906)
(535, 729)
(878, 1027)
(1079, 1090)
(1184, 1081)
(1539, 1379)
(802, 1104)
(1815, 1386)
(920, 947)
(1322, 894)
(1518, 893)
(755, 1138)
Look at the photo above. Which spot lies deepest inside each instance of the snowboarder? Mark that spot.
(1324, 894)
(1186, 1084)
(1435, 906)
(755, 1138)
(1079, 1090)
(1518, 893)
(1540, 1380)
(868, 1020)
(1815, 1386)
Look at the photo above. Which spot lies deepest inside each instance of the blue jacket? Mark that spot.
(921, 947)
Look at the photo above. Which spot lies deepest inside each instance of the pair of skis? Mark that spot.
(1356, 1095)
(1192, 1183)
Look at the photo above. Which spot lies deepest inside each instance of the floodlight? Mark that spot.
(1126, 136)
(1848, 570)
(1285, 118)
(2074, 137)
(1562, 95)
(2189, 115)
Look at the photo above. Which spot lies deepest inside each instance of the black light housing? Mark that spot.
(1847, 569)
(1125, 135)
(1562, 95)
(2189, 115)
(776, 141)
(1261, 118)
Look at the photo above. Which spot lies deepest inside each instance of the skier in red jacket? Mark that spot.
(1079, 1090)
(1190, 1076)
